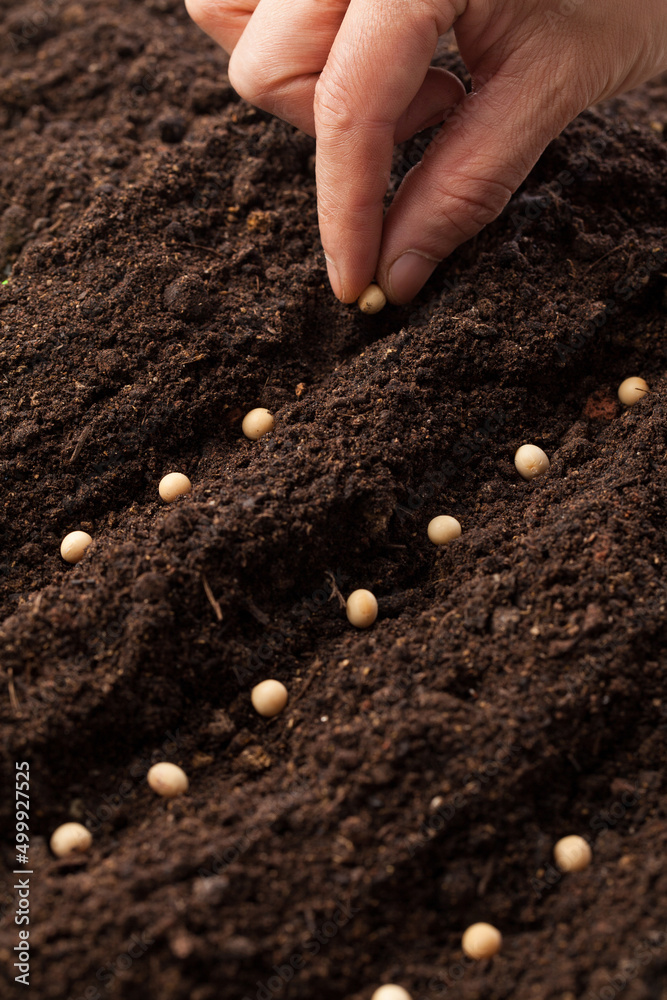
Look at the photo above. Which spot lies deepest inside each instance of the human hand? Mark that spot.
(357, 75)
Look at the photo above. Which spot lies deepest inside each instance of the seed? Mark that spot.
(391, 992)
(257, 423)
(531, 461)
(632, 390)
(174, 485)
(372, 299)
(74, 545)
(443, 529)
(481, 941)
(70, 837)
(167, 779)
(572, 854)
(362, 608)
(269, 698)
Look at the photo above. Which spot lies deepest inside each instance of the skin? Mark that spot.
(356, 74)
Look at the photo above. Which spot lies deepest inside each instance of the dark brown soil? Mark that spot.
(165, 276)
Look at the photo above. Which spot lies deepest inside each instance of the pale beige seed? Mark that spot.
(362, 608)
(391, 992)
(481, 941)
(372, 299)
(74, 545)
(168, 779)
(70, 837)
(257, 423)
(631, 390)
(269, 698)
(443, 529)
(530, 461)
(572, 854)
(174, 485)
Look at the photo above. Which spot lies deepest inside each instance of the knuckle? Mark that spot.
(241, 76)
(340, 106)
(471, 209)
(205, 13)
(249, 77)
(332, 103)
(193, 8)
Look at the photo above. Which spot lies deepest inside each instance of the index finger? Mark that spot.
(375, 69)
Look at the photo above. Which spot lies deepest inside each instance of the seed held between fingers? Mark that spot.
(443, 529)
(74, 545)
(372, 300)
(362, 608)
(631, 390)
(70, 837)
(531, 461)
(572, 854)
(391, 992)
(168, 780)
(269, 698)
(481, 941)
(257, 423)
(174, 485)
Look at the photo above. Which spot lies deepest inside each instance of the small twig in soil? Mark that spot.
(13, 700)
(200, 246)
(211, 599)
(309, 679)
(85, 434)
(486, 878)
(604, 255)
(256, 613)
(335, 592)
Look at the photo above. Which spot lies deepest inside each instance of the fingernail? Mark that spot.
(334, 277)
(408, 273)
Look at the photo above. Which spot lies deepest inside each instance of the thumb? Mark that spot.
(469, 172)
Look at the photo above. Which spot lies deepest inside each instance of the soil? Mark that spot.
(165, 276)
